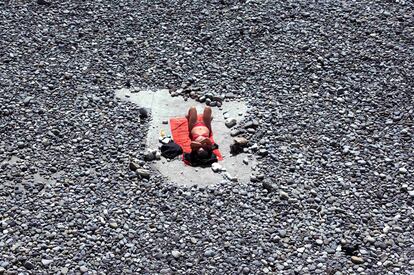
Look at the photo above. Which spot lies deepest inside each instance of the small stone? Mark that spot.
(176, 254)
(46, 262)
(251, 124)
(113, 225)
(404, 187)
(143, 113)
(246, 160)
(149, 155)
(238, 145)
(129, 40)
(216, 167)
(165, 271)
(370, 239)
(209, 253)
(411, 193)
(179, 91)
(357, 260)
(64, 270)
(199, 50)
(83, 269)
(29, 265)
(319, 242)
(282, 233)
(201, 99)
(157, 155)
(27, 100)
(218, 98)
(263, 152)
(143, 173)
(403, 170)
(301, 249)
(241, 141)
(254, 147)
(269, 186)
(133, 166)
(230, 122)
(230, 177)
(283, 195)
(230, 95)
(234, 132)
(67, 76)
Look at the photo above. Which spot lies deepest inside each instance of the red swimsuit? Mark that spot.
(195, 136)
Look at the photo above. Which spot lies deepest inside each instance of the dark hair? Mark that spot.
(203, 154)
(200, 158)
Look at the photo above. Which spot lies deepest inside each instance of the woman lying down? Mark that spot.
(200, 134)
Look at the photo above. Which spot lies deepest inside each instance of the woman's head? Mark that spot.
(202, 153)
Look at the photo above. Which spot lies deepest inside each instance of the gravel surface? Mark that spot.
(330, 93)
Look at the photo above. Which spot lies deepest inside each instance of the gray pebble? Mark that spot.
(47, 262)
(230, 122)
(209, 253)
(176, 254)
(357, 260)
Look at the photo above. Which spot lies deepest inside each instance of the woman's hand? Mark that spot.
(206, 144)
(194, 145)
(206, 141)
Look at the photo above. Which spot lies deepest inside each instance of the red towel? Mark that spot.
(181, 136)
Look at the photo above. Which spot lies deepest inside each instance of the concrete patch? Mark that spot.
(163, 107)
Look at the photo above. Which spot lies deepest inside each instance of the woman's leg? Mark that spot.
(192, 118)
(207, 117)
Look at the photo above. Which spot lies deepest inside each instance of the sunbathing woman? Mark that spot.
(200, 133)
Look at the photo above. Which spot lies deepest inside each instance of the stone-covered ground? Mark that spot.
(330, 83)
